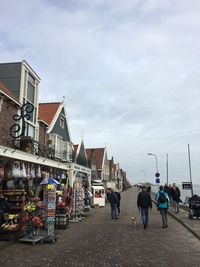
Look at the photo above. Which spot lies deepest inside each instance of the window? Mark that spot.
(31, 88)
(30, 130)
(62, 122)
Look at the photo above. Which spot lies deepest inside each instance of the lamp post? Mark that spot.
(156, 160)
(190, 170)
(167, 169)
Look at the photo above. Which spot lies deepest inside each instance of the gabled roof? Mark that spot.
(49, 114)
(89, 152)
(7, 92)
(75, 147)
(47, 111)
(99, 155)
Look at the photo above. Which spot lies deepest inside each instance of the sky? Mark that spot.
(129, 71)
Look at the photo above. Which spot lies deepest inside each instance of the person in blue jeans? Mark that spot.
(112, 198)
(162, 200)
(144, 202)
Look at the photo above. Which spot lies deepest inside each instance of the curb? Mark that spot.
(184, 224)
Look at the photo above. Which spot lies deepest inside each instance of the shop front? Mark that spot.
(23, 203)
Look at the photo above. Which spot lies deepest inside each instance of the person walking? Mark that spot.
(162, 200)
(175, 195)
(118, 200)
(112, 198)
(144, 202)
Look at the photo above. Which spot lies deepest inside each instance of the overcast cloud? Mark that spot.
(130, 72)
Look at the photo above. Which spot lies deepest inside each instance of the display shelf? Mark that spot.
(15, 198)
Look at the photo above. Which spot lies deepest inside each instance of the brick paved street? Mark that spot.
(100, 241)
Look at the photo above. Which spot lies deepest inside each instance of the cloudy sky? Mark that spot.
(129, 71)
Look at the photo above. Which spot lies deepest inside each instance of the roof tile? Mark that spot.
(47, 111)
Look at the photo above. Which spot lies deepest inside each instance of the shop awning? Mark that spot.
(98, 187)
(23, 156)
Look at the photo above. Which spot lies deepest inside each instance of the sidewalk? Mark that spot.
(192, 225)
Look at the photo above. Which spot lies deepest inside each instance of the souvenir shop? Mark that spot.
(78, 192)
(27, 185)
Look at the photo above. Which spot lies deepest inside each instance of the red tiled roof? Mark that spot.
(75, 147)
(99, 153)
(47, 111)
(88, 152)
(7, 91)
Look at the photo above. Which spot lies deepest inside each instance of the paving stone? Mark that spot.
(99, 241)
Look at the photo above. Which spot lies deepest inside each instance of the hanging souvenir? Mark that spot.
(8, 171)
(58, 175)
(16, 171)
(63, 176)
(2, 172)
(23, 170)
(10, 184)
(32, 171)
(54, 174)
(28, 171)
(38, 172)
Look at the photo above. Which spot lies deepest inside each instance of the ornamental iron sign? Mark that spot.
(16, 130)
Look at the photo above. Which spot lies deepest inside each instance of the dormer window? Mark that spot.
(62, 122)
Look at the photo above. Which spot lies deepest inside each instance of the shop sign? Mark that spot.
(186, 185)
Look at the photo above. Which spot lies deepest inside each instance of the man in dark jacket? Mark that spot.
(175, 194)
(144, 202)
(112, 198)
(118, 200)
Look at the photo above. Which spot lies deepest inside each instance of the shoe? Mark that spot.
(166, 226)
(145, 226)
(116, 218)
(163, 226)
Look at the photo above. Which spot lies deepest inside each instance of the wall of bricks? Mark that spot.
(8, 109)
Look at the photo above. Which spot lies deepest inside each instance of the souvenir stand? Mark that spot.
(62, 218)
(78, 201)
(50, 208)
(98, 192)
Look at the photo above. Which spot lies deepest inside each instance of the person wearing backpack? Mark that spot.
(162, 200)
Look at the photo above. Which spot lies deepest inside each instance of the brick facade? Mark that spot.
(8, 109)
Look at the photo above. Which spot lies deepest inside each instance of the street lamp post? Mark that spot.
(167, 169)
(156, 160)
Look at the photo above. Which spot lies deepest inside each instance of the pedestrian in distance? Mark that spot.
(149, 189)
(112, 198)
(118, 200)
(175, 195)
(162, 200)
(144, 202)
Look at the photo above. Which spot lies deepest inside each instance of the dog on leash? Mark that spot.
(133, 219)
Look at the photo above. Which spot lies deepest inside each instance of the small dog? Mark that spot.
(133, 219)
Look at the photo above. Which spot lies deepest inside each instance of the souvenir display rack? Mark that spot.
(11, 228)
(15, 199)
(50, 211)
(61, 219)
(78, 201)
